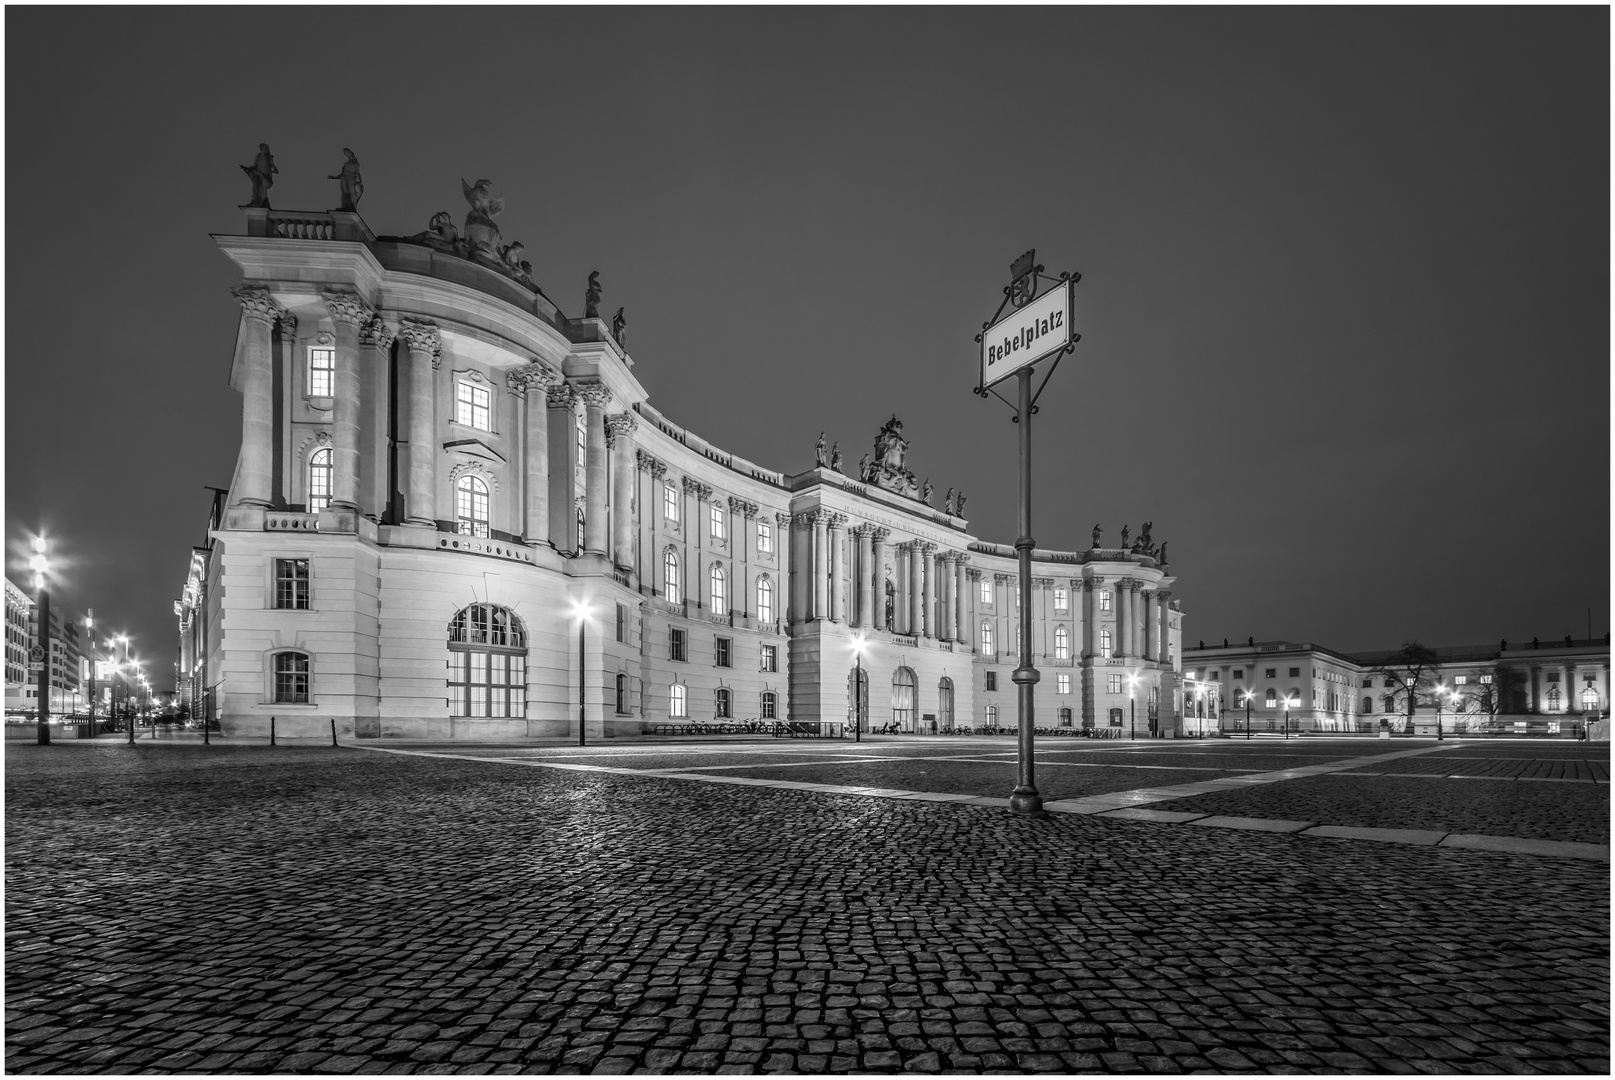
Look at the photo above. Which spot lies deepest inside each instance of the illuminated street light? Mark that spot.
(1248, 695)
(41, 567)
(581, 612)
(859, 644)
(1132, 722)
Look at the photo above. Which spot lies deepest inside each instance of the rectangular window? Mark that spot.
(291, 584)
(1295, 673)
(1368, 684)
(765, 538)
(721, 707)
(1063, 683)
(1104, 599)
(768, 706)
(677, 704)
(1113, 684)
(986, 591)
(1060, 603)
(1553, 676)
(675, 644)
(1239, 673)
(1272, 673)
(291, 678)
(722, 650)
(670, 502)
(992, 680)
(1486, 680)
(770, 660)
(321, 372)
(717, 528)
(1460, 680)
(622, 625)
(471, 406)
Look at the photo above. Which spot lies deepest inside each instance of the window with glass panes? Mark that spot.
(1104, 599)
(471, 405)
(321, 372)
(675, 644)
(1062, 683)
(1060, 599)
(717, 594)
(770, 658)
(765, 600)
(765, 537)
(319, 480)
(768, 706)
(678, 701)
(471, 507)
(986, 591)
(717, 527)
(291, 584)
(1113, 684)
(723, 710)
(670, 502)
(291, 678)
(670, 577)
(723, 648)
(622, 694)
(1105, 646)
(987, 639)
(1062, 643)
(487, 663)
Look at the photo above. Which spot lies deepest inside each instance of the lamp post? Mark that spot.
(580, 609)
(1247, 715)
(859, 644)
(89, 633)
(41, 566)
(1288, 700)
(1441, 691)
(1132, 718)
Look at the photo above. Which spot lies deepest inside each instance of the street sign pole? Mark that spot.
(1025, 798)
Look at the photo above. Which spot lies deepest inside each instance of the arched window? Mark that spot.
(471, 506)
(903, 699)
(487, 662)
(578, 539)
(677, 703)
(670, 577)
(1368, 704)
(1553, 699)
(291, 678)
(622, 693)
(1062, 643)
(319, 480)
(944, 704)
(765, 600)
(724, 704)
(768, 706)
(718, 596)
(1390, 703)
(987, 639)
(1065, 717)
(992, 716)
(1272, 698)
(1104, 644)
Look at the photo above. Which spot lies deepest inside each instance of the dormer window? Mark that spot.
(321, 372)
(471, 406)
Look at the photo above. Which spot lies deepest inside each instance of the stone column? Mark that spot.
(258, 311)
(916, 589)
(561, 398)
(1536, 688)
(1089, 617)
(376, 343)
(838, 609)
(1163, 597)
(877, 576)
(1123, 631)
(961, 592)
(595, 396)
(944, 585)
(1572, 695)
(425, 351)
(619, 427)
(1146, 599)
(785, 588)
(821, 582)
(349, 313)
(866, 577)
(534, 382)
(928, 590)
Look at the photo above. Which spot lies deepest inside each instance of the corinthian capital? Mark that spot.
(835, 520)
(288, 325)
(701, 491)
(561, 396)
(376, 334)
(420, 336)
(741, 506)
(256, 303)
(346, 308)
(593, 395)
(782, 520)
(878, 534)
(620, 426)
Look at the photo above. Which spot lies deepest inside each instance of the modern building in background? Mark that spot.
(21, 691)
(455, 513)
(67, 674)
(1514, 687)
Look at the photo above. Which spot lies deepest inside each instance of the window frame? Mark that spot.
(1062, 682)
(678, 701)
(717, 526)
(670, 503)
(765, 599)
(768, 706)
(677, 644)
(723, 652)
(321, 463)
(768, 660)
(1062, 643)
(672, 577)
(723, 704)
(765, 538)
(487, 664)
(466, 407)
(313, 370)
(472, 491)
(301, 588)
(717, 590)
(1061, 599)
(299, 690)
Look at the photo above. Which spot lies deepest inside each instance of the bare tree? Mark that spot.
(1409, 677)
(1504, 694)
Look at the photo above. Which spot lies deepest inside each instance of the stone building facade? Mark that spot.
(455, 509)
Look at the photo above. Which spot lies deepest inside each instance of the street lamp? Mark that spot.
(859, 644)
(1289, 700)
(41, 566)
(1132, 722)
(1248, 696)
(580, 611)
(1441, 691)
(89, 632)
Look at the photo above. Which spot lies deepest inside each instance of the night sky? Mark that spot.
(1345, 297)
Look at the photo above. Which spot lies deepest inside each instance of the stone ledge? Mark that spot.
(1389, 836)
(1255, 823)
(1134, 813)
(1523, 846)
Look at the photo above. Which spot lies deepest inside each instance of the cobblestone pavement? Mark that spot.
(229, 908)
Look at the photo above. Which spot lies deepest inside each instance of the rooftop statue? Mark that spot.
(481, 234)
(888, 470)
(821, 456)
(1144, 537)
(947, 503)
(591, 296)
(959, 504)
(440, 233)
(619, 330)
(1162, 557)
(835, 457)
(925, 496)
(863, 468)
(352, 182)
(1096, 531)
(1125, 530)
(262, 174)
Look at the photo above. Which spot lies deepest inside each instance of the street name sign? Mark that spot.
(1027, 335)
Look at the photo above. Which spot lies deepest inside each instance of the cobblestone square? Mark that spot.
(667, 908)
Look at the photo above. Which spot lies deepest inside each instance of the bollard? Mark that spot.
(271, 731)
(333, 731)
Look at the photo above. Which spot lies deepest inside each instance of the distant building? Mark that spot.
(22, 633)
(444, 483)
(1512, 687)
(21, 691)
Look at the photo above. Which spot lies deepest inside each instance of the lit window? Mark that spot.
(986, 591)
(1113, 684)
(716, 517)
(765, 600)
(1060, 599)
(1460, 680)
(1104, 600)
(770, 658)
(321, 372)
(677, 705)
(1273, 698)
(718, 596)
(471, 406)
(675, 644)
(1104, 644)
(670, 577)
(319, 480)
(670, 502)
(903, 699)
(471, 506)
(765, 537)
(987, 639)
(992, 716)
(291, 584)
(1062, 683)
(1062, 644)
(291, 678)
(1486, 680)
(487, 662)
(1553, 699)
(723, 711)
(767, 711)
